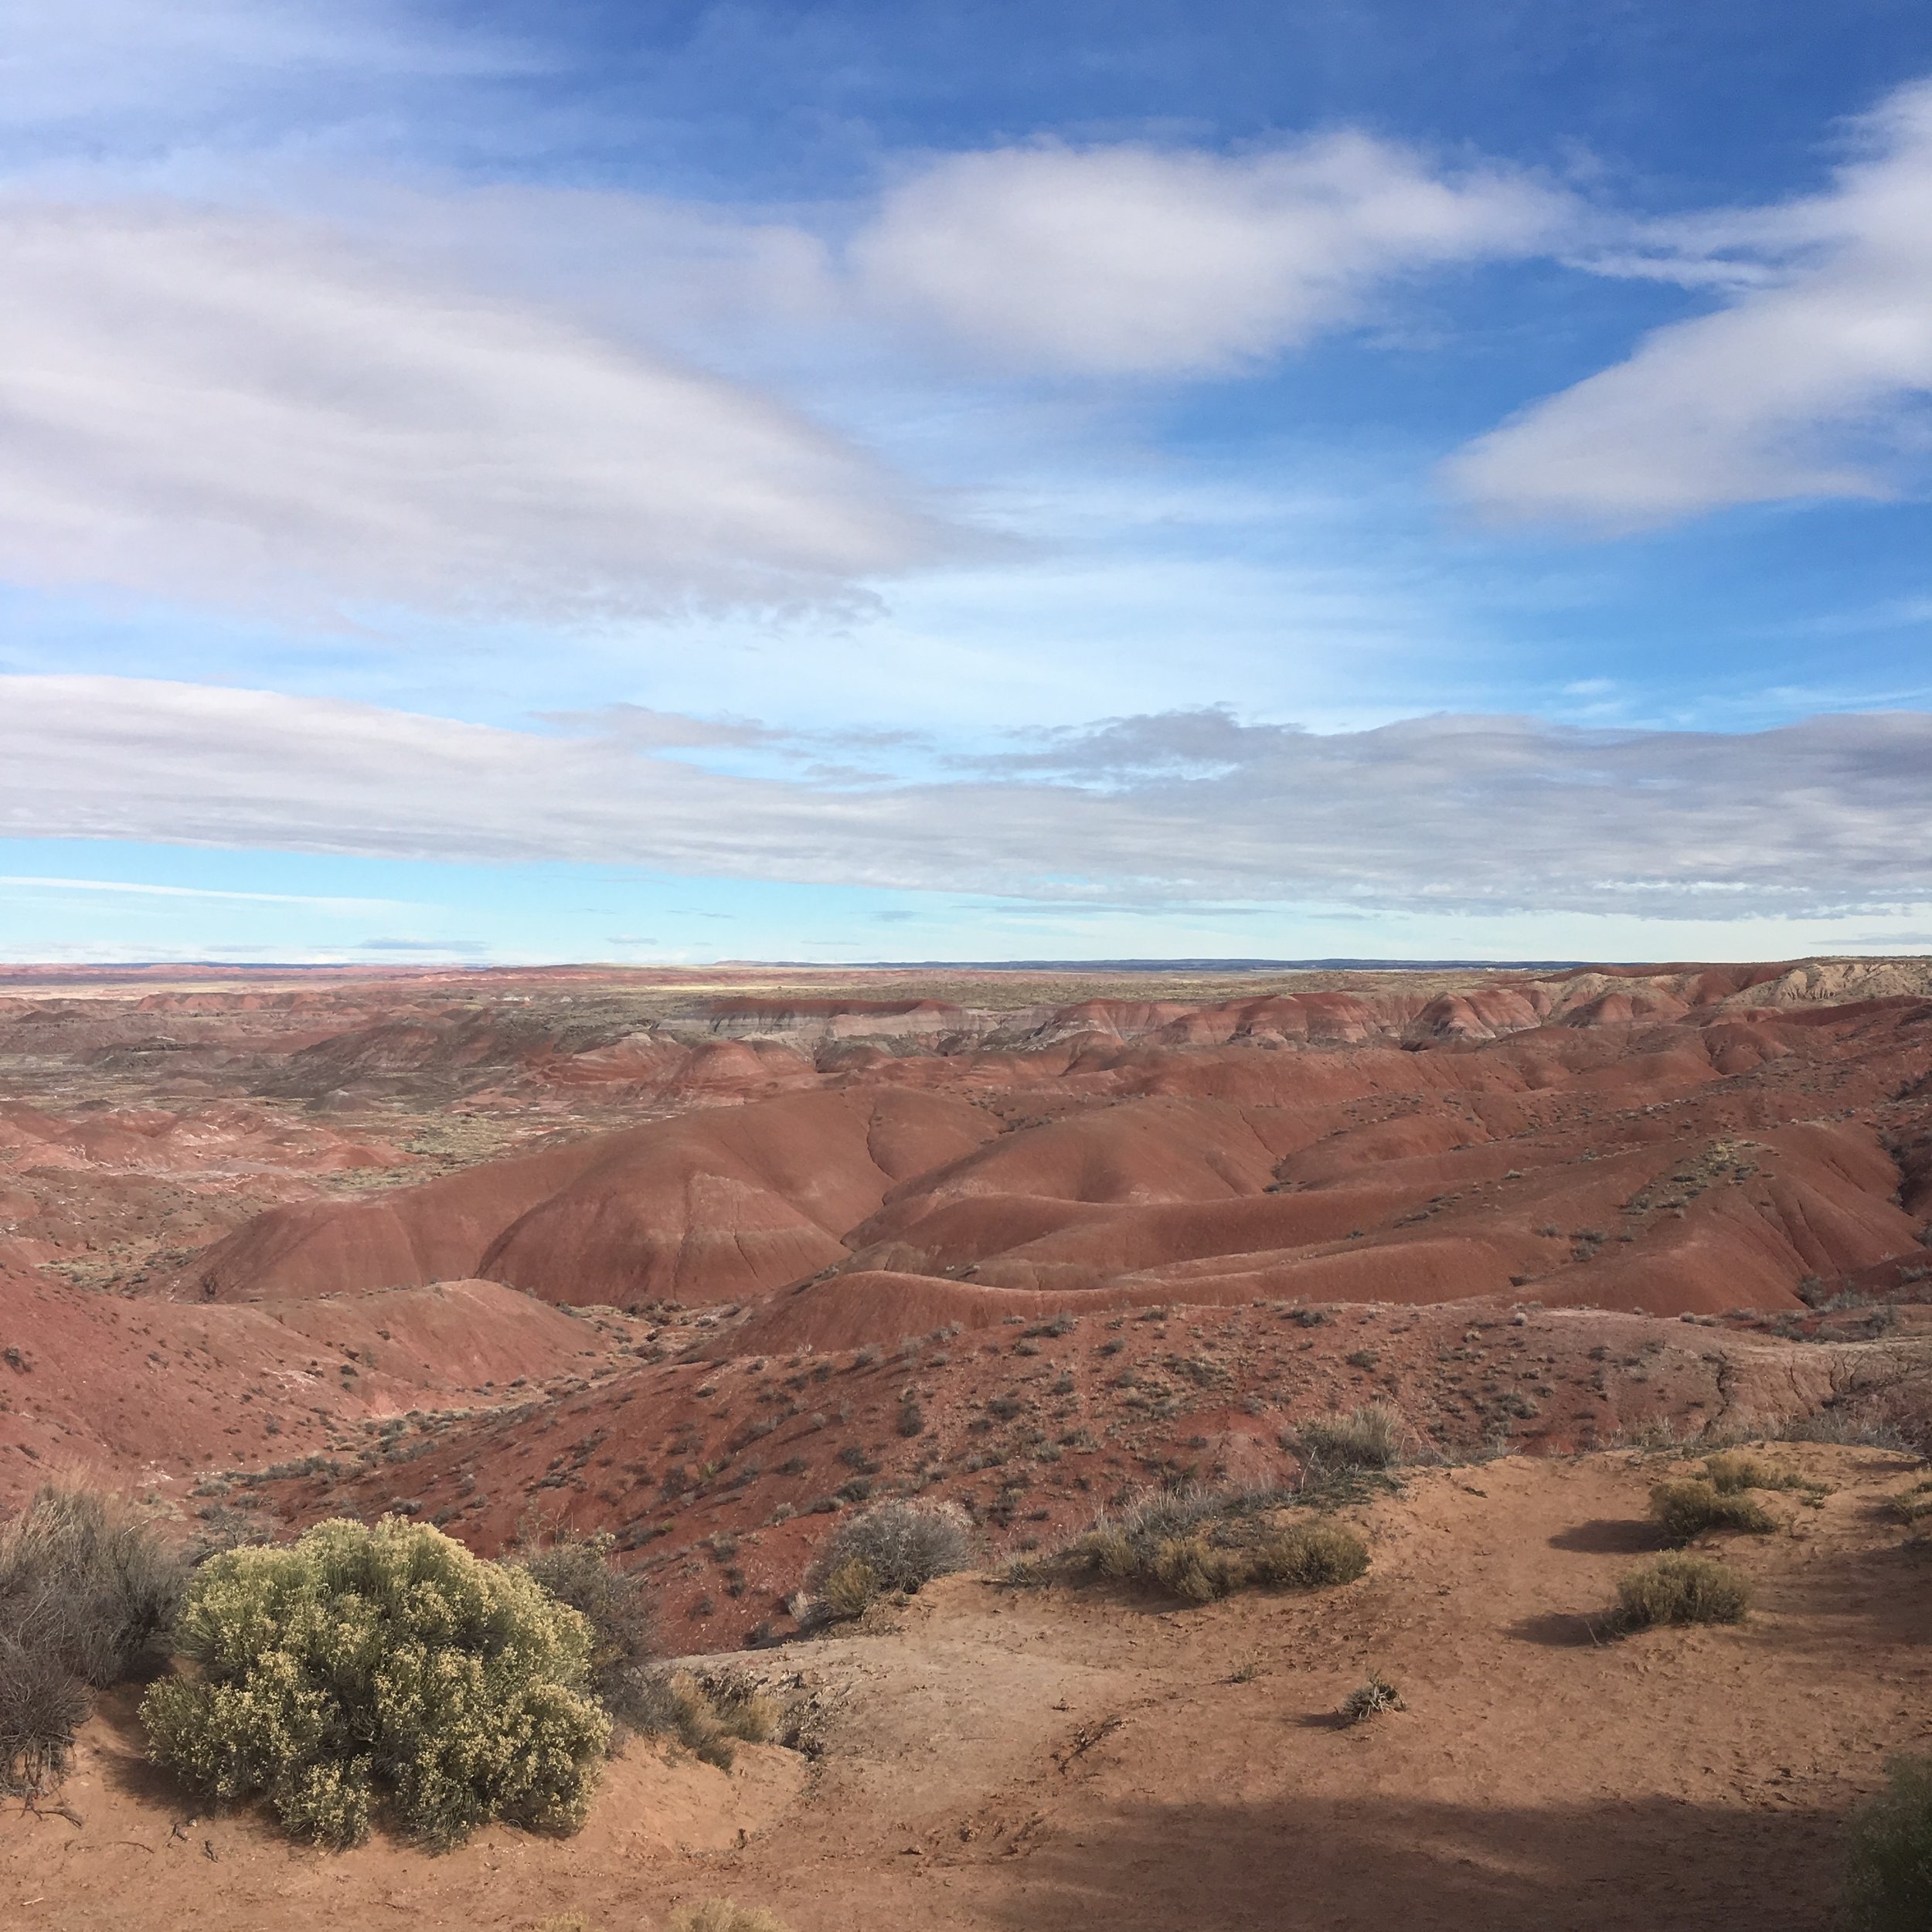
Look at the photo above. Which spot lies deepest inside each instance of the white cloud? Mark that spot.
(42, 882)
(1802, 387)
(1129, 259)
(1493, 814)
(240, 411)
(137, 75)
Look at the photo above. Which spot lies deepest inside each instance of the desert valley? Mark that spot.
(709, 1263)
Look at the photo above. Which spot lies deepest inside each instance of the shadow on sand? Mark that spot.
(1315, 1865)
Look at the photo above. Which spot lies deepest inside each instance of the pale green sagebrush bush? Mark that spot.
(361, 1667)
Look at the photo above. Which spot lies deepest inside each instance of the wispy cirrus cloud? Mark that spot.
(1483, 814)
(1812, 382)
(93, 79)
(243, 411)
(145, 888)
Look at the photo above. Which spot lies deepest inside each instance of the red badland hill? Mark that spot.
(705, 1258)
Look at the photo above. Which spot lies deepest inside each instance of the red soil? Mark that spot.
(276, 1174)
(708, 1208)
(143, 1392)
(1061, 1758)
(1674, 1167)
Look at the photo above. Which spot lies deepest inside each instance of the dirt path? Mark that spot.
(1050, 1759)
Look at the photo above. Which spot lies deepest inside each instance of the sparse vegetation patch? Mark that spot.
(87, 1591)
(1202, 1544)
(1370, 1699)
(580, 1571)
(1681, 1590)
(1686, 1509)
(725, 1915)
(1890, 1888)
(709, 1723)
(1368, 1436)
(1729, 1471)
(891, 1546)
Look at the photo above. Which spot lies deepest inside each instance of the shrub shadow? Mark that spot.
(122, 1748)
(1317, 1864)
(1611, 1537)
(1563, 1630)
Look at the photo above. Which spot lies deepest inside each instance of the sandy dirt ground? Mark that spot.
(994, 1757)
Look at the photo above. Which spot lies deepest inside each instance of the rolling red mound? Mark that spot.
(147, 1391)
(865, 1237)
(1685, 1164)
(712, 1207)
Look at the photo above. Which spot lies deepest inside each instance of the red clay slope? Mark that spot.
(146, 1391)
(1679, 1163)
(711, 1207)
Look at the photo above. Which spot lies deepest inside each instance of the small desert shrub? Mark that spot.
(83, 1576)
(1171, 1512)
(1195, 1568)
(1685, 1509)
(1309, 1556)
(1200, 1545)
(1728, 1472)
(1858, 1426)
(892, 1546)
(1891, 1853)
(674, 1704)
(87, 1591)
(1371, 1698)
(1108, 1549)
(577, 1570)
(1367, 1437)
(850, 1590)
(725, 1915)
(359, 1667)
(42, 1705)
(1914, 1506)
(1681, 1590)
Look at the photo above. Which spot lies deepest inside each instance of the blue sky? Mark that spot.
(670, 483)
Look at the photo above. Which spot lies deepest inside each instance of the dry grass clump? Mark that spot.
(891, 1546)
(1860, 1425)
(87, 1591)
(42, 1705)
(578, 1570)
(848, 1591)
(1914, 1506)
(1370, 1699)
(1368, 1436)
(1729, 1471)
(1681, 1590)
(1890, 1887)
(714, 1915)
(725, 1915)
(1309, 1556)
(708, 1723)
(1200, 1545)
(1686, 1508)
(1198, 1570)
